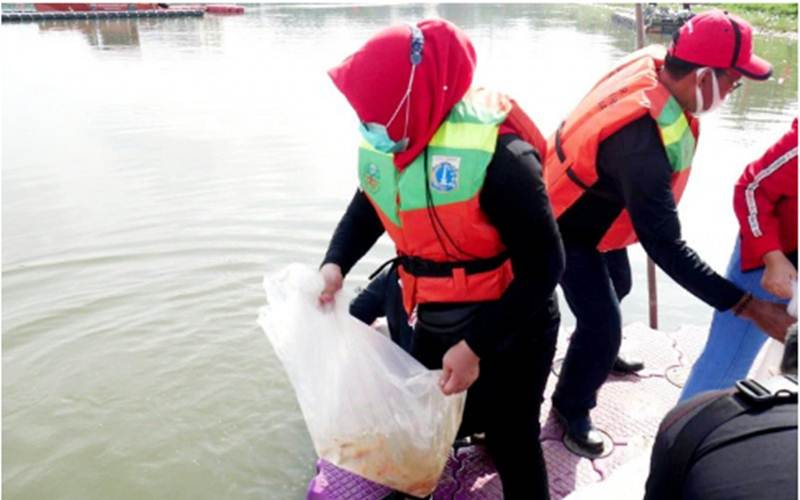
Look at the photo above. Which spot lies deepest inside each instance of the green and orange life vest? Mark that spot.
(628, 92)
(447, 249)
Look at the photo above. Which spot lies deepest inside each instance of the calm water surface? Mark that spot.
(153, 170)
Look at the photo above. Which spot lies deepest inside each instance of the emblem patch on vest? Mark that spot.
(444, 173)
(372, 178)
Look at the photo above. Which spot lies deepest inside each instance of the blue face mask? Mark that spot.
(376, 134)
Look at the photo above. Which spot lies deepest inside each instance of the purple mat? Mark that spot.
(333, 483)
(629, 411)
(469, 474)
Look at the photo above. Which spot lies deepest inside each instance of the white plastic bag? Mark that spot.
(768, 361)
(792, 307)
(370, 407)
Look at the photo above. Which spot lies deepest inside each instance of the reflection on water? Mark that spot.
(154, 169)
(108, 34)
(104, 34)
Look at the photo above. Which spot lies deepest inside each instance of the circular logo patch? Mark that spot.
(445, 177)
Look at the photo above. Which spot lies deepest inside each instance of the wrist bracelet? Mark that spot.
(737, 310)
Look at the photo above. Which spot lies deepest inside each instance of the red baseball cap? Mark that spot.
(719, 40)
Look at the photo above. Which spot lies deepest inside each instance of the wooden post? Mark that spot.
(652, 292)
(652, 295)
(639, 26)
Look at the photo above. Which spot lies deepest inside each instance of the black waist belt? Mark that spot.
(428, 268)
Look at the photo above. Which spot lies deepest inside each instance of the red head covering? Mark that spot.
(375, 78)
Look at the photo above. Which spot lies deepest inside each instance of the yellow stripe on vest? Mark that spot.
(466, 136)
(674, 132)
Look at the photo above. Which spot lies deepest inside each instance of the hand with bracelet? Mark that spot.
(771, 317)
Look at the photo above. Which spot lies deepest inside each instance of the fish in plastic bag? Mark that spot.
(370, 407)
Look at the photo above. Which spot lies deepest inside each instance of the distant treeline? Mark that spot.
(768, 16)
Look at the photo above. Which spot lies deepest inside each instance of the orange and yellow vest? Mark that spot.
(448, 250)
(628, 92)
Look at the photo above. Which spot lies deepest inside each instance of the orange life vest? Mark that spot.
(628, 92)
(447, 249)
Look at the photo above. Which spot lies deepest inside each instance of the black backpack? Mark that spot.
(750, 396)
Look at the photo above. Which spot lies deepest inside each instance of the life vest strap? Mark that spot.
(574, 178)
(559, 147)
(427, 268)
(376, 272)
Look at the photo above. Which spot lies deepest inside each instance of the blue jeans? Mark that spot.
(733, 342)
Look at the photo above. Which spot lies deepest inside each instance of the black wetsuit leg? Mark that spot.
(595, 342)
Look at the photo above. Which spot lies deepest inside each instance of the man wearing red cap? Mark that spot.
(615, 170)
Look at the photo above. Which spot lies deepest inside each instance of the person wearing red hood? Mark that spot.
(453, 174)
(615, 173)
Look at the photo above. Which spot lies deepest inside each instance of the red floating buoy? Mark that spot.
(225, 9)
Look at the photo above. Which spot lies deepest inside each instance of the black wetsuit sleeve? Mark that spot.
(359, 229)
(369, 305)
(515, 200)
(636, 159)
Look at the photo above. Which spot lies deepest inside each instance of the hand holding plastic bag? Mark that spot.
(370, 407)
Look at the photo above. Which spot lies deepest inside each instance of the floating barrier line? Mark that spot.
(124, 14)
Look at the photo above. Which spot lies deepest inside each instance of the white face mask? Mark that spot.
(716, 99)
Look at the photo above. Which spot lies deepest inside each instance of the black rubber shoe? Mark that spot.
(628, 366)
(581, 433)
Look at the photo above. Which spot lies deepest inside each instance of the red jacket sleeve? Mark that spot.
(765, 202)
